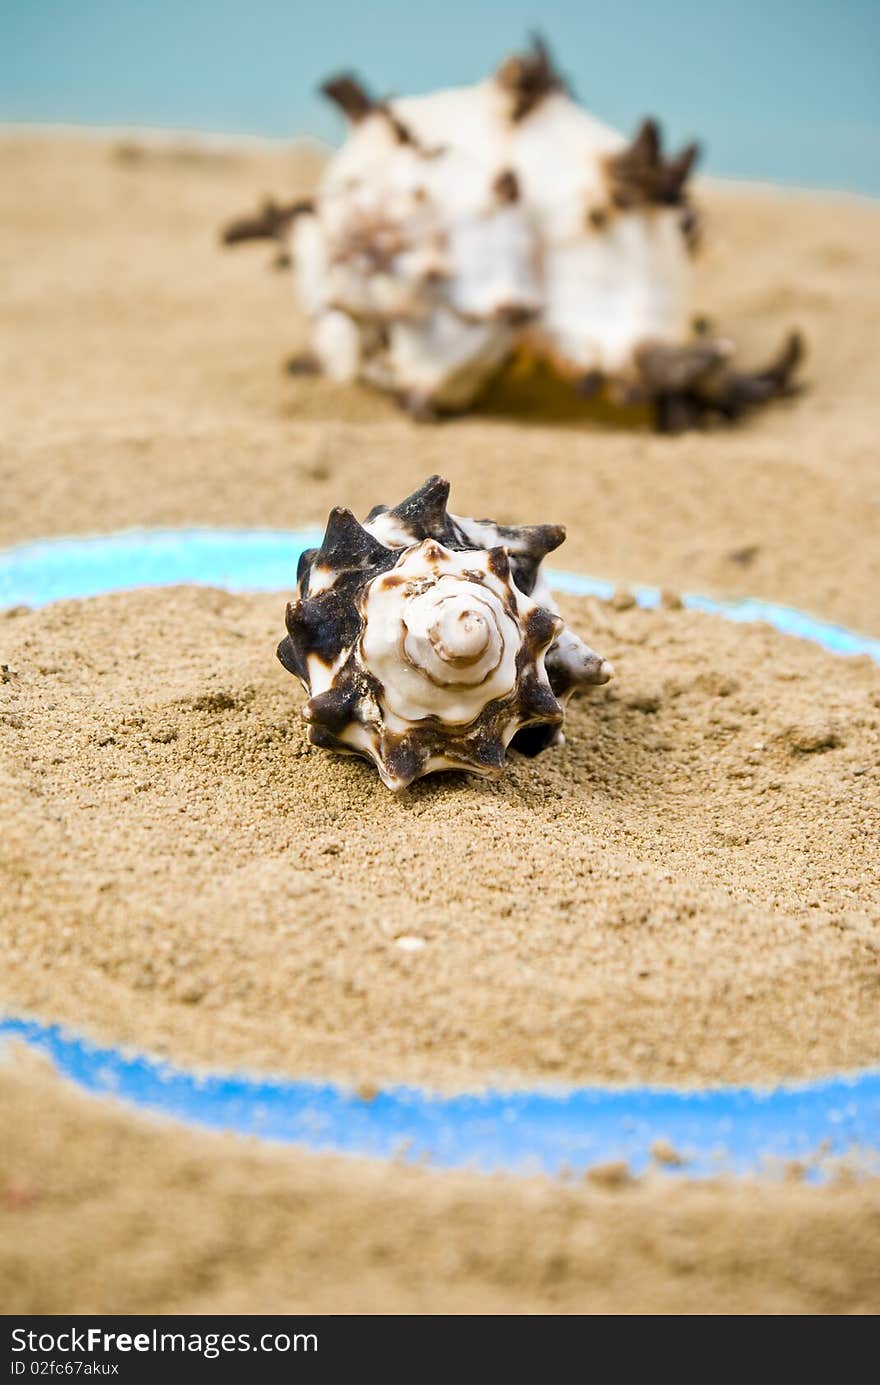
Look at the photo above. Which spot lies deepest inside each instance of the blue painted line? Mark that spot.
(738, 1129)
(786, 619)
(248, 560)
(34, 574)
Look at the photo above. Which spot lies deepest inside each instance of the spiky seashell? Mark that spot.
(430, 642)
(454, 229)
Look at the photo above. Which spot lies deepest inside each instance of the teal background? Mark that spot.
(776, 90)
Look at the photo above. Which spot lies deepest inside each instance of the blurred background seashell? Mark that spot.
(430, 642)
(458, 232)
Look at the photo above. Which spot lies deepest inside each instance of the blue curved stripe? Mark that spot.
(789, 621)
(248, 560)
(34, 574)
(734, 1129)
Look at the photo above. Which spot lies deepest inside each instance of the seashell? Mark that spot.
(428, 642)
(455, 229)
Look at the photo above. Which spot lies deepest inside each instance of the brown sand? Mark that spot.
(101, 1211)
(688, 892)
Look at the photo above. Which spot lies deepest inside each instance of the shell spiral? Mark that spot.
(439, 635)
(429, 642)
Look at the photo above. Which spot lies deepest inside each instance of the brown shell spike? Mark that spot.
(348, 92)
(272, 222)
(640, 174)
(690, 385)
(422, 515)
(529, 77)
(351, 96)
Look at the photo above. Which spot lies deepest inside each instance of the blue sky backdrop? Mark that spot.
(787, 90)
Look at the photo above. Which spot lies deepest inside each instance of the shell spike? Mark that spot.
(529, 77)
(681, 166)
(303, 568)
(293, 650)
(537, 540)
(738, 390)
(333, 709)
(639, 174)
(528, 545)
(347, 92)
(273, 221)
(779, 371)
(291, 658)
(424, 512)
(347, 545)
(665, 367)
(647, 142)
(538, 700)
(490, 756)
(687, 383)
(571, 664)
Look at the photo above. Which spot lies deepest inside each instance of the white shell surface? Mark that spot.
(438, 635)
(606, 293)
(444, 359)
(337, 344)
